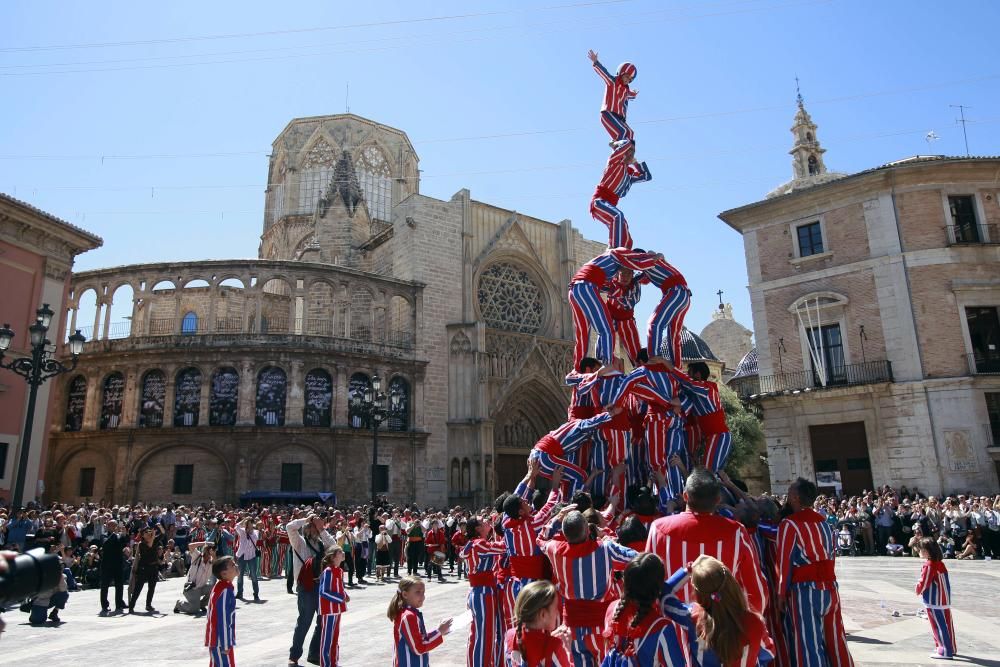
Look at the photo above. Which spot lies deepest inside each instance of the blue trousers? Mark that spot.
(57, 600)
(308, 602)
(247, 566)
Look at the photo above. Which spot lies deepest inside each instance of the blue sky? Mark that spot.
(183, 99)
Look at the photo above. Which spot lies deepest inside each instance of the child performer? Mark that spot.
(553, 450)
(412, 642)
(521, 526)
(637, 631)
(616, 97)
(727, 632)
(481, 555)
(706, 407)
(332, 603)
(535, 641)
(935, 589)
(620, 172)
(589, 309)
(622, 298)
(220, 628)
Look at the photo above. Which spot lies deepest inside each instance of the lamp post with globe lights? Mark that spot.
(35, 369)
(371, 404)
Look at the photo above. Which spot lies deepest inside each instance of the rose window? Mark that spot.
(509, 299)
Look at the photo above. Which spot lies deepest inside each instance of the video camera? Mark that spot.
(28, 575)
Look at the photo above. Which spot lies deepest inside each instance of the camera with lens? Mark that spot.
(28, 575)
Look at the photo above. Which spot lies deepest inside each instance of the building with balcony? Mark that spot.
(235, 376)
(36, 257)
(875, 301)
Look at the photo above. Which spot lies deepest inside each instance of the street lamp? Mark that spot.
(36, 369)
(371, 403)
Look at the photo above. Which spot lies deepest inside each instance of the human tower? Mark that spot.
(656, 421)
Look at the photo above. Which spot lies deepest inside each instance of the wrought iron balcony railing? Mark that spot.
(984, 364)
(869, 372)
(973, 234)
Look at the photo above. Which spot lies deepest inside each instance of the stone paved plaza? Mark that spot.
(872, 589)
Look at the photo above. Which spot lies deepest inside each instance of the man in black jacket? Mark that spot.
(112, 569)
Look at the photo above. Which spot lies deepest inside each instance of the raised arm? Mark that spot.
(600, 69)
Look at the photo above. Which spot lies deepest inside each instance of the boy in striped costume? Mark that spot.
(620, 173)
(589, 309)
(706, 410)
(611, 443)
(807, 583)
(553, 450)
(583, 570)
(623, 295)
(934, 588)
(616, 97)
(220, 626)
(521, 527)
(667, 320)
(581, 404)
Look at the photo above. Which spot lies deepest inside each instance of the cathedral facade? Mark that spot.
(236, 376)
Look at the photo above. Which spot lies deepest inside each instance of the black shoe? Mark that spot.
(150, 609)
(104, 612)
(256, 598)
(54, 616)
(313, 660)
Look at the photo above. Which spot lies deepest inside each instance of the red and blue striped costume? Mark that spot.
(411, 641)
(220, 625)
(583, 573)
(484, 635)
(806, 551)
(527, 562)
(679, 539)
(934, 588)
(756, 646)
(618, 177)
(611, 443)
(581, 406)
(614, 108)
(622, 299)
(656, 638)
(589, 309)
(706, 410)
(556, 446)
(332, 603)
(765, 539)
(534, 648)
(667, 320)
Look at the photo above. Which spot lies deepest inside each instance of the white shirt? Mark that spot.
(248, 544)
(301, 551)
(201, 570)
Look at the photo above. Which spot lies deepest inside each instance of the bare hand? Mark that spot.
(566, 510)
(592, 55)
(445, 626)
(534, 465)
(565, 634)
(614, 411)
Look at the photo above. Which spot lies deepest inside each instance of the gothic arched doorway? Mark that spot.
(531, 409)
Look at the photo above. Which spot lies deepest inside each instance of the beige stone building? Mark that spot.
(729, 339)
(875, 300)
(233, 376)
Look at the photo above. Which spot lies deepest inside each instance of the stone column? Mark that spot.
(295, 395)
(107, 316)
(340, 397)
(212, 301)
(130, 398)
(206, 390)
(92, 404)
(168, 396)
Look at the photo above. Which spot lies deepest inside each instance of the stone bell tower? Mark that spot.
(807, 154)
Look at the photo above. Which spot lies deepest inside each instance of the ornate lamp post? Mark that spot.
(36, 369)
(372, 404)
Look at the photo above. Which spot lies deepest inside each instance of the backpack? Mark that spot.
(309, 572)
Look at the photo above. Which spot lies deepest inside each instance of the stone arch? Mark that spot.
(516, 295)
(530, 409)
(374, 170)
(319, 307)
(399, 320)
(271, 397)
(76, 403)
(362, 305)
(275, 303)
(87, 311)
(455, 476)
(315, 468)
(69, 465)
(112, 388)
(151, 477)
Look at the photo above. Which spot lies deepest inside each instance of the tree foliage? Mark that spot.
(748, 435)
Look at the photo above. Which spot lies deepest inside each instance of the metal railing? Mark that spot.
(984, 364)
(973, 234)
(869, 372)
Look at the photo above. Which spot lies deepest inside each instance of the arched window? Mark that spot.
(510, 299)
(809, 136)
(401, 420)
(316, 173)
(111, 401)
(76, 401)
(187, 397)
(375, 179)
(359, 382)
(455, 477)
(271, 388)
(813, 165)
(466, 476)
(189, 323)
(154, 395)
(223, 400)
(319, 398)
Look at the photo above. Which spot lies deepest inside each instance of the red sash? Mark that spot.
(606, 194)
(590, 273)
(620, 313)
(619, 422)
(482, 579)
(672, 282)
(528, 567)
(550, 445)
(583, 411)
(820, 572)
(585, 613)
(713, 423)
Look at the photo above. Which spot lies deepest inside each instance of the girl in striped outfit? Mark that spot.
(412, 642)
(333, 601)
(535, 640)
(481, 555)
(935, 589)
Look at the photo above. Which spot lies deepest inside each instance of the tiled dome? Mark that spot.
(747, 366)
(693, 347)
